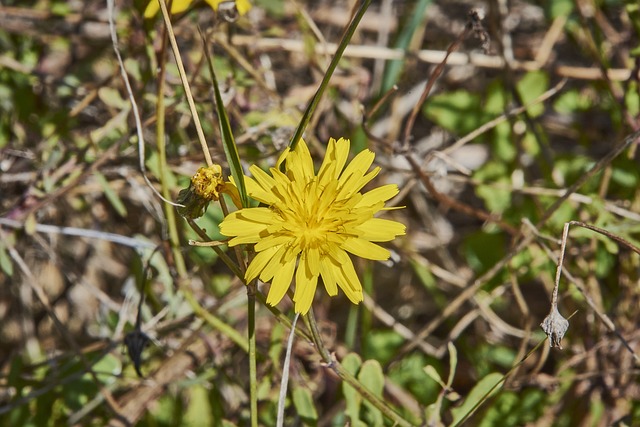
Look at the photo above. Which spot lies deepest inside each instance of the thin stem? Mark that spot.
(563, 245)
(253, 383)
(496, 385)
(223, 256)
(344, 42)
(132, 100)
(174, 237)
(215, 322)
(380, 404)
(285, 374)
(608, 234)
(185, 84)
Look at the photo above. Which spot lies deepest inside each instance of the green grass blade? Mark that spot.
(311, 108)
(394, 68)
(228, 141)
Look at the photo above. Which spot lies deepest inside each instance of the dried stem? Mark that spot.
(185, 83)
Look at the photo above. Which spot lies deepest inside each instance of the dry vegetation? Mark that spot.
(486, 186)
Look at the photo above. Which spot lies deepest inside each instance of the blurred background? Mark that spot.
(529, 102)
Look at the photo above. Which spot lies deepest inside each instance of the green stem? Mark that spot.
(251, 310)
(344, 42)
(223, 256)
(215, 322)
(174, 236)
(350, 379)
(253, 382)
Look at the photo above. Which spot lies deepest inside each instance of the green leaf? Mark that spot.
(352, 362)
(571, 102)
(303, 402)
(625, 178)
(111, 195)
(408, 373)
(276, 346)
(496, 199)
(372, 377)
(453, 362)
(382, 345)
(631, 98)
(228, 141)
(5, 261)
(112, 98)
(483, 250)
(458, 111)
(484, 389)
(560, 8)
(434, 375)
(198, 412)
(531, 86)
(415, 20)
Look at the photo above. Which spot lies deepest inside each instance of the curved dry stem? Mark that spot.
(134, 105)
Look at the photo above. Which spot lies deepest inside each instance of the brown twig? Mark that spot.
(604, 318)
(524, 241)
(434, 57)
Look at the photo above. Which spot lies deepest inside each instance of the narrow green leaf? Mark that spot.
(431, 371)
(5, 261)
(111, 195)
(453, 362)
(416, 20)
(486, 387)
(228, 141)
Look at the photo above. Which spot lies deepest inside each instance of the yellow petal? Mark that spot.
(243, 6)
(244, 240)
(365, 249)
(274, 265)
(359, 165)
(284, 155)
(257, 192)
(258, 263)
(281, 282)
(272, 240)
(328, 271)
(303, 162)
(305, 290)
(313, 260)
(249, 221)
(179, 6)
(381, 230)
(350, 283)
(214, 3)
(380, 194)
(152, 8)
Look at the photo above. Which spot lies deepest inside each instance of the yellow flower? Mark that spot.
(179, 6)
(206, 185)
(312, 222)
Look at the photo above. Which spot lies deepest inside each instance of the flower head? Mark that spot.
(206, 185)
(312, 222)
(179, 6)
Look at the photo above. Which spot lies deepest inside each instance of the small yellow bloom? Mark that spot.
(312, 222)
(208, 182)
(179, 6)
(207, 185)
